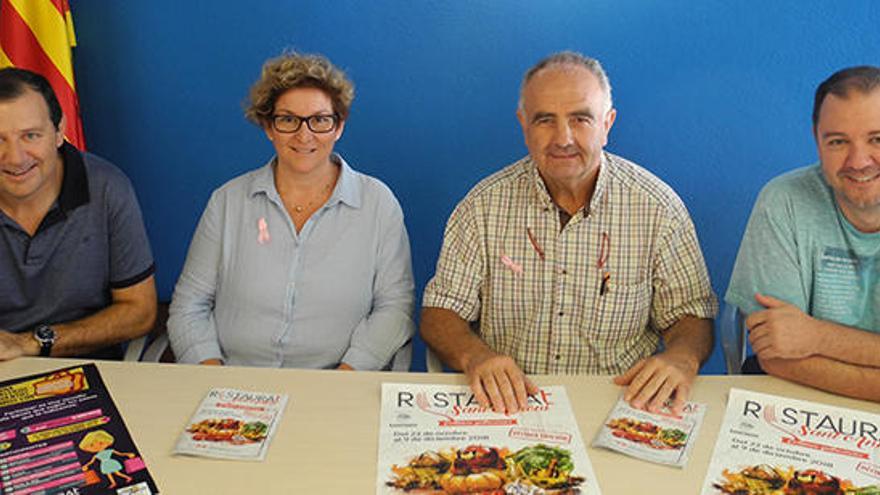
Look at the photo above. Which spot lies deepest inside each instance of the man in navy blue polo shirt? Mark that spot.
(76, 271)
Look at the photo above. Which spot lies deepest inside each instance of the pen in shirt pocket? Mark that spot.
(534, 243)
(604, 249)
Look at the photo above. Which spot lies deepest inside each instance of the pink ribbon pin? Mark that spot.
(263, 227)
(512, 265)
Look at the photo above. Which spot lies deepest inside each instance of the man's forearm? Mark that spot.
(451, 338)
(132, 314)
(116, 323)
(847, 344)
(861, 382)
(690, 337)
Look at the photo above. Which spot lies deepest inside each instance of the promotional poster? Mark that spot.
(61, 434)
(232, 424)
(437, 439)
(780, 446)
(663, 437)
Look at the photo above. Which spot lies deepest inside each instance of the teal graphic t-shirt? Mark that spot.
(798, 247)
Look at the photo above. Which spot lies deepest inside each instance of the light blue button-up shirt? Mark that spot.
(255, 292)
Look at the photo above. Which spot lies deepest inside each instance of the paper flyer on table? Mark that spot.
(780, 446)
(61, 434)
(232, 424)
(663, 437)
(437, 439)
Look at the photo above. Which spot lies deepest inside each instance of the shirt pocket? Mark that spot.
(619, 320)
(511, 299)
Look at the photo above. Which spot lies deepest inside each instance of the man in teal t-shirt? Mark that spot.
(807, 270)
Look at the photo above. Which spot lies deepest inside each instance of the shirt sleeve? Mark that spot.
(389, 325)
(680, 281)
(131, 259)
(191, 328)
(767, 261)
(459, 276)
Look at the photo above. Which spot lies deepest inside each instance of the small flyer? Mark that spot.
(776, 445)
(61, 434)
(436, 439)
(232, 424)
(663, 437)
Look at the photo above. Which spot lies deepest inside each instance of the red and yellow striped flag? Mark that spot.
(38, 35)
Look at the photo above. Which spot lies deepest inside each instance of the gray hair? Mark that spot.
(568, 59)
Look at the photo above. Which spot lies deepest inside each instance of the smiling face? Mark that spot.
(566, 117)
(30, 164)
(848, 140)
(303, 151)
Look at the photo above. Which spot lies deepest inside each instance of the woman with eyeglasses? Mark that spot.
(303, 262)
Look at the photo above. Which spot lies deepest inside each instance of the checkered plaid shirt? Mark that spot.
(533, 289)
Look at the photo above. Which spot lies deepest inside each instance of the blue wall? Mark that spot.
(713, 96)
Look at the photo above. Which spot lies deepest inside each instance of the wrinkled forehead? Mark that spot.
(564, 82)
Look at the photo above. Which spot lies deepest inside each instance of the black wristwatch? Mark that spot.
(45, 335)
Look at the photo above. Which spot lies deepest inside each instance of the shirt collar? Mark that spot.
(348, 188)
(601, 183)
(542, 195)
(75, 184)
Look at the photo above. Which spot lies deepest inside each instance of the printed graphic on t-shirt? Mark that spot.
(841, 282)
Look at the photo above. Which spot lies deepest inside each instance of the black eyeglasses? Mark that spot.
(318, 123)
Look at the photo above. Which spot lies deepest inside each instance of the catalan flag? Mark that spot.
(38, 35)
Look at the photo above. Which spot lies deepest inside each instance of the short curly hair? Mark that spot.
(294, 70)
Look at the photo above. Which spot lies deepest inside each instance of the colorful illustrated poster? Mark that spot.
(663, 438)
(232, 424)
(436, 439)
(779, 446)
(61, 434)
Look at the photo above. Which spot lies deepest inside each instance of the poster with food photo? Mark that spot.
(232, 424)
(779, 446)
(437, 439)
(664, 438)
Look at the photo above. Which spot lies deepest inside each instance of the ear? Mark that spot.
(608, 123)
(268, 130)
(523, 123)
(339, 128)
(521, 117)
(59, 133)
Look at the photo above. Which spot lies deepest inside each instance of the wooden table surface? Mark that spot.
(327, 440)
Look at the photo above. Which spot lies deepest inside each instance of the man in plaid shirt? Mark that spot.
(571, 260)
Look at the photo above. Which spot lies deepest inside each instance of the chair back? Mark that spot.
(153, 347)
(733, 338)
(432, 361)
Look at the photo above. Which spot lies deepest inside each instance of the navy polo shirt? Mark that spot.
(92, 240)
